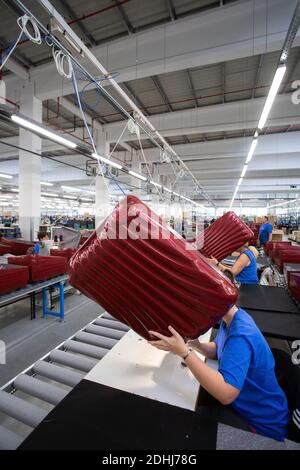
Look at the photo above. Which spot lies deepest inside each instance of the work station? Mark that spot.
(150, 225)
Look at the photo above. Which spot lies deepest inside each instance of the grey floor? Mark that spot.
(27, 340)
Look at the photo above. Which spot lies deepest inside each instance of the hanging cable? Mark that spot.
(36, 38)
(62, 61)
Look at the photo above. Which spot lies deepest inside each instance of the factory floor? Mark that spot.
(27, 340)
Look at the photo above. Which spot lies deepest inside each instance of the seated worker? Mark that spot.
(245, 268)
(265, 232)
(245, 378)
(40, 248)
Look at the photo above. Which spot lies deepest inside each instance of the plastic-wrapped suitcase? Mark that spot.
(147, 276)
(41, 267)
(295, 285)
(269, 246)
(64, 252)
(276, 248)
(4, 249)
(288, 256)
(288, 268)
(17, 247)
(224, 236)
(12, 278)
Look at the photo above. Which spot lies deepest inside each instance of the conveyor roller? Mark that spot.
(103, 331)
(32, 386)
(85, 349)
(21, 410)
(57, 373)
(72, 360)
(96, 340)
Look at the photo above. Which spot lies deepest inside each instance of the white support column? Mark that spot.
(102, 195)
(30, 167)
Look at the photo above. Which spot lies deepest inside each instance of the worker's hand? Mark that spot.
(213, 261)
(195, 344)
(174, 343)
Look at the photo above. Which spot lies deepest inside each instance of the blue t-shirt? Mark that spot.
(249, 274)
(264, 232)
(246, 362)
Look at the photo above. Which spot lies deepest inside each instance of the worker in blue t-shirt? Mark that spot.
(265, 232)
(245, 268)
(245, 378)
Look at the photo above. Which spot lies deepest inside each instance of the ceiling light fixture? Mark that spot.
(42, 131)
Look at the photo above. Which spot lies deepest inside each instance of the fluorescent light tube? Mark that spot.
(155, 184)
(108, 162)
(244, 171)
(42, 131)
(137, 175)
(70, 188)
(86, 199)
(239, 182)
(14, 190)
(70, 197)
(272, 95)
(251, 151)
(9, 177)
(175, 194)
(45, 183)
(49, 194)
(167, 190)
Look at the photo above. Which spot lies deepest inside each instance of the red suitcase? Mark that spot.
(17, 247)
(4, 249)
(276, 248)
(288, 256)
(12, 278)
(149, 277)
(295, 285)
(65, 252)
(269, 246)
(224, 236)
(41, 267)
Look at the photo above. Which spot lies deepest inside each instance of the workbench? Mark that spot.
(32, 289)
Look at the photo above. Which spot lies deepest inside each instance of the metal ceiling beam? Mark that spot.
(172, 11)
(80, 25)
(162, 92)
(124, 17)
(290, 74)
(136, 98)
(13, 7)
(223, 81)
(192, 88)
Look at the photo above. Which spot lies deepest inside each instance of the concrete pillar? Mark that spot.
(30, 167)
(102, 206)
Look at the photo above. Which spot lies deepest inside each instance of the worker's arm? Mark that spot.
(209, 378)
(208, 349)
(238, 266)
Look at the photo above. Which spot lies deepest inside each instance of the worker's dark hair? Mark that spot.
(42, 235)
(266, 217)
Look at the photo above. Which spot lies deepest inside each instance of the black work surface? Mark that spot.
(98, 417)
(276, 325)
(267, 298)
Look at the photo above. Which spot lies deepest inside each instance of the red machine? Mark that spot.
(64, 252)
(224, 236)
(41, 267)
(294, 285)
(148, 276)
(12, 278)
